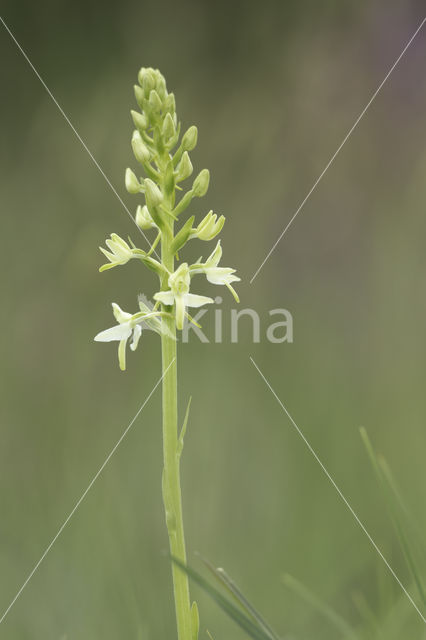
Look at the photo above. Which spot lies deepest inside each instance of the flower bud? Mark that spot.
(139, 120)
(139, 95)
(141, 75)
(184, 168)
(143, 218)
(154, 101)
(140, 150)
(132, 183)
(189, 139)
(170, 103)
(147, 80)
(161, 86)
(201, 183)
(168, 127)
(153, 194)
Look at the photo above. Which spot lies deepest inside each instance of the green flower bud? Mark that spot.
(169, 129)
(154, 101)
(184, 169)
(143, 218)
(153, 194)
(139, 95)
(140, 150)
(139, 120)
(189, 140)
(147, 80)
(170, 103)
(201, 183)
(141, 74)
(132, 183)
(161, 87)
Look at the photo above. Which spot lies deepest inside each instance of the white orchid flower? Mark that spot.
(119, 253)
(127, 325)
(209, 227)
(143, 218)
(215, 274)
(179, 294)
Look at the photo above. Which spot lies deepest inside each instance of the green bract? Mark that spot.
(165, 161)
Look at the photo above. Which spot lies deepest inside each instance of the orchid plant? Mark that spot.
(164, 155)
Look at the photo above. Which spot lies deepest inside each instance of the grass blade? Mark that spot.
(320, 606)
(393, 501)
(234, 612)
(229, 584)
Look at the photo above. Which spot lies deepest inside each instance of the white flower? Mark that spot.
(127, 325)
(119, 253)
(179, 294)
(143, 218)
(209, 227)
(215, 274)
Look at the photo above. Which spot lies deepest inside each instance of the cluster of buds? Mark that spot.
(164, 155)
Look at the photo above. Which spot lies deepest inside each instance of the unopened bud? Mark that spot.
(139, 120)
(140, 150)
(154, 101)
(184, 169)
(168, 127)
(153, 194)
(132, 183)
(139, 95)
(143, 218)
(170, 103)
(161, 86)
(189, 139)
(147, 79)
(201, 183)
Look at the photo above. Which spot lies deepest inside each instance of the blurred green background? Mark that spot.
(273, 88)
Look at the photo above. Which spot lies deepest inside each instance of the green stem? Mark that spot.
(171, 473)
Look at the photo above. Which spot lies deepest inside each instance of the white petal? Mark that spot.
(166, 297)
(192, 300)
(119, 314)
(137, 331)
(107, 254)
(119, 332)
(215, 257)
(221, 275)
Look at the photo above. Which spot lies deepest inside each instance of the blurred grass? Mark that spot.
(273, 90)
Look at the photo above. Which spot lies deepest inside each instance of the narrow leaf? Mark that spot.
(182, 236)
(225, 604)
(226, 581)
(392, 501)
(195, 621)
